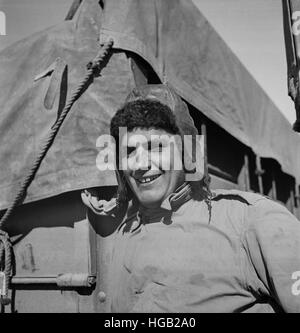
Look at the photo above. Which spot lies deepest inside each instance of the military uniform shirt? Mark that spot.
(239, 259)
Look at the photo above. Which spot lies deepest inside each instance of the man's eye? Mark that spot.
(157, 147)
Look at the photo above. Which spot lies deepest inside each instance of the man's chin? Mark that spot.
(150, 202)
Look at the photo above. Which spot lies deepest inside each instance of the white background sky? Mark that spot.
(252, 29)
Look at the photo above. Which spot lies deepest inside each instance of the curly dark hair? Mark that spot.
(145, 113)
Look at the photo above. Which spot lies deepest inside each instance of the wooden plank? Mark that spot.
(292, 202)
(243, 178)
(297, 197)
(204, 133)
(259, 172)
(274, 188)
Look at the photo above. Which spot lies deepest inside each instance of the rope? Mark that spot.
(93, 68)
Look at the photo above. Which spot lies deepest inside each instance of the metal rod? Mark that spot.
(220, 173)
(62, 280)
(34, 280)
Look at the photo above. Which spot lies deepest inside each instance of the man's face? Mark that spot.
(152, 164)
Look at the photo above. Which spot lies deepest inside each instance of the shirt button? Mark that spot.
(101, 296)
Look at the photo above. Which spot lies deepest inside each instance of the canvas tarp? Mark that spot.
(70, 163)
(182, 48)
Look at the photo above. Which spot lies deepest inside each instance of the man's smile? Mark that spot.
(147, 179)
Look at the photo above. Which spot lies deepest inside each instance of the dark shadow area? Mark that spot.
(84, 291)
(254, 187)
(142, 70)
(225, 154)
(285, 190)
(63, 94)
(58, 211)
(271, 176)
(231, 197)
(62, 211)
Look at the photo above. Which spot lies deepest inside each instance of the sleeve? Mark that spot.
(272, 238)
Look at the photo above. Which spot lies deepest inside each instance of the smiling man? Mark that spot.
(179, 247)
(151, 172)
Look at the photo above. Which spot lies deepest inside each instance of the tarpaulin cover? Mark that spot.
(186, 51)
(183, 49)
(70, 163)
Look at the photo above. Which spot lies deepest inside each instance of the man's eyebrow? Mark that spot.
(136, 143)
(153, 140)
(160, 139)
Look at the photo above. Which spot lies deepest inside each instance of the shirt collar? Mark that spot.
(171, 204)
(176, 199)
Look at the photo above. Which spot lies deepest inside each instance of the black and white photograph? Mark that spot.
(149, 159)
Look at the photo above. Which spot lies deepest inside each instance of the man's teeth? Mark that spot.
(148, 179)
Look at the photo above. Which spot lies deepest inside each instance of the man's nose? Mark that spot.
(141, 160)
